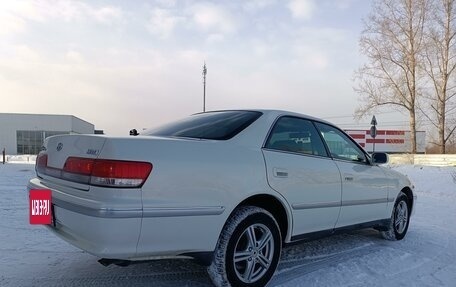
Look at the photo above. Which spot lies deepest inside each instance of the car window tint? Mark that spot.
(212, 125)
(296, 135)
(340, 145)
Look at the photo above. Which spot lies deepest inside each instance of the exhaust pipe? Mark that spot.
(119, 262)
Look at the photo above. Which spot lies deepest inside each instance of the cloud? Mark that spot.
(215, 38)
(255, 5)
(142, 80)
(310, 58)
(162, 22)
(264, 49)
(14, 15)
(188, 57)
(322, 36)
(342, 4)
(26, 54)
(302, 9)
(215, 20)
(9, 24)
(260, 57)
(212, 18)
(166, 3)
(106, 15)
(74, 57)
(319, 48)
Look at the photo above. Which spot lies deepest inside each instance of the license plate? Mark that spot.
(40, 206)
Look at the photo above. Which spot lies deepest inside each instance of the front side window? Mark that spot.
(214, 125)
(340, 145)
(296, 135)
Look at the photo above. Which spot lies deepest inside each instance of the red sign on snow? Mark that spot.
(40, 206)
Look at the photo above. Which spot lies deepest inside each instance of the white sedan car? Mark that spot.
(227, 188)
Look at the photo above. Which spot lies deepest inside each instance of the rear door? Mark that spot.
(299, 168)
(364, 186)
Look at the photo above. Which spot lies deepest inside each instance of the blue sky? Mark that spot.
(137, 64)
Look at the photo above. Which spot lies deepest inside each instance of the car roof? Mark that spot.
(277, 113)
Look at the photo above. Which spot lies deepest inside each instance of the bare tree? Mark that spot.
(440, 64)
(393, 43)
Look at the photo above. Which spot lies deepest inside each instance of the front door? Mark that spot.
(299, 168)
(364, 186)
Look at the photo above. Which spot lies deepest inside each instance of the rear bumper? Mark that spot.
(103, 232)
(133, 233)
(103, 237)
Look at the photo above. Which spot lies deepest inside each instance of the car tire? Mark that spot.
(248, 250)
(400, 219)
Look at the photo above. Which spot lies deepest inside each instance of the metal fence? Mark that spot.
(424, 159)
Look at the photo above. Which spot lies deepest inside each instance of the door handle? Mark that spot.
(280, 172)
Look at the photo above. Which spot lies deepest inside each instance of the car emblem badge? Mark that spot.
(59, 146)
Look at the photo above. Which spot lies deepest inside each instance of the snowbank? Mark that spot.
(25, 158)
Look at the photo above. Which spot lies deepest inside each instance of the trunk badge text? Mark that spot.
(92, 151)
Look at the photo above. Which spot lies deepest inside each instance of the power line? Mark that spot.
(352, 116)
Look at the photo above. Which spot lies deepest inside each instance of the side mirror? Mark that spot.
(379, 158)
(134, 132)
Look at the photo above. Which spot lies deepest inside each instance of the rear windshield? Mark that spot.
(214, 125)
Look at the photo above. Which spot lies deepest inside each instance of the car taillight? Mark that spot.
(101, 172)
(119, 173)
(79, 165)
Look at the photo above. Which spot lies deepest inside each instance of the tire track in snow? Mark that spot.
(293, 269)
(191, 278)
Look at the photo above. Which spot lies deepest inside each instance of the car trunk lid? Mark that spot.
(57, 149)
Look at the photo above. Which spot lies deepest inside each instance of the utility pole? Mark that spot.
(204, 86)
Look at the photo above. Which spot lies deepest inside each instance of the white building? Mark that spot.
(24, 133)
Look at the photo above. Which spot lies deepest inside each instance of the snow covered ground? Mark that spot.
(31, 256)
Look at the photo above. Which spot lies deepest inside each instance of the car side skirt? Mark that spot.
(202, 258)
(378, 224)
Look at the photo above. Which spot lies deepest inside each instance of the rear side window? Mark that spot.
(296, 135)
(214, 125)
